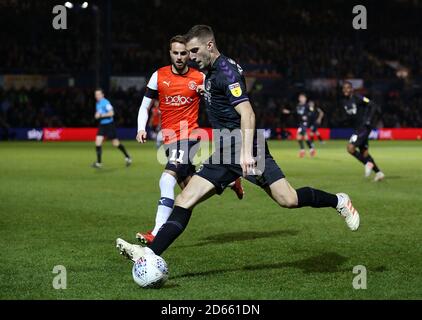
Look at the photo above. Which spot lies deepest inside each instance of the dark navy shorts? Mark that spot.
(360, 138)
(178, 158)
(221, 175)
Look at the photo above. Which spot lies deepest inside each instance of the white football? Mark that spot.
(150, 271)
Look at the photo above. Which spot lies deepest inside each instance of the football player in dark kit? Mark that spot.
(303, 114)
(315, 120)
(362, 111)
(230, 110)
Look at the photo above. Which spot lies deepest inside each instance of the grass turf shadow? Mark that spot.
(241, 236)
(326, 262)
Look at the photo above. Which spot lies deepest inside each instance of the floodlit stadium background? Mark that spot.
(56, 210)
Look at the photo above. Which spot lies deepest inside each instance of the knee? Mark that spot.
(167, 180)
(115, 143)
(287, 200)
(350, 149)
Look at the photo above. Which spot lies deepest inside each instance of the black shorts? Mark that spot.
(107, 130)
(179, 156)
(221, 175)
(360, 138)
(302, 129)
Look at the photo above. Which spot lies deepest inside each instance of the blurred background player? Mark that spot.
(315, 120)
(105, 113)
(362, 112)
(303, 113)
(176, 87)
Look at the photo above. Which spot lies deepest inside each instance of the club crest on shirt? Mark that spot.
(192, 85)
(208, 85)
(235, 89)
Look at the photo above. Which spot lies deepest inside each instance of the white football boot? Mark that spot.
(368, 168)
(346, 210)
(379, 176)
(131, 251)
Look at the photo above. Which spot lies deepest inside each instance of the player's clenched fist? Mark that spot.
(141, 137)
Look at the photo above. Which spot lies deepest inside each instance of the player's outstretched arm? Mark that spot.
(247, 125)
(146, 104)
(320, 116)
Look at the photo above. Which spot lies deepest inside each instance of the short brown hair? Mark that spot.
(200, 31)
(179, 39)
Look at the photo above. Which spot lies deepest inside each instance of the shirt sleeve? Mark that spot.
(152, 87)
(233, 84)
(108, 107)
(363, 99)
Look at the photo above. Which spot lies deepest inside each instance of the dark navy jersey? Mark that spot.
(313, 114)
(360, 109)
(225, 88)
(303, 113)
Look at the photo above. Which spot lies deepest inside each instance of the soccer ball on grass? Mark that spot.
(150, 271)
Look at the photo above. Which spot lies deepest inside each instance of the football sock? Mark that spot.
(302, 146)
(174, 227)
(166, 202)
(98, 151)
(359, 156)
(309, 197)
(375, 168)
(122, 149)
(310, 144)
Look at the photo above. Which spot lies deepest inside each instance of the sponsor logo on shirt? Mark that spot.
(177, 100)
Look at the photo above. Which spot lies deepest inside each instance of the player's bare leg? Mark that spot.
(98, 149)
(286, 196)
(236, 186)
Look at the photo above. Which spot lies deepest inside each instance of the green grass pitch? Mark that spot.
(56, 210)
